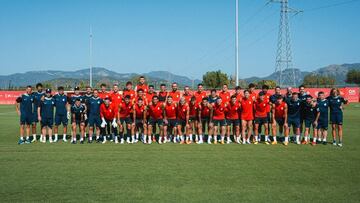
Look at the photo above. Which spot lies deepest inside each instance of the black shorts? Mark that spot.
(280, 121)
(26, 119)
(61, 119)
(126, 120)
(171, 123)
(261, 120)
(221, 122)
(309, 123)
(153, 122)
(77, 121)
(181, 122)
(323, 123)
(234, 122)
(47, 122)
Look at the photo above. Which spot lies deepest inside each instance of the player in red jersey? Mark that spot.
(108, 114)
(193, 119)
(183, 121)
(238, 94)
(125, 109)
(279, 116)
(200, 93)
(187, 94)
(225, 94)
(218, 118)
(140, 95)
(247, 116)
(232, 119)
(150, 94)
(170, 120)
(139, 118)
(205, 115)
(261, 107)
(162, 95)
(267, 95)
(115, 96)
(175, 93)
(155, 109)
(103, 94)
(142, 85)
(252, 92)
(129, 91)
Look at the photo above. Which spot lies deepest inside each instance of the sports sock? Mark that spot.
(286, 139)
(200, 137)
(266, 138)
(27, 137)
(256, 138)
(197, 137)
(297, 138)
(314, 139)
(191, 137)
(64, 136)
(209, 138)
(274, 137)
(145, 136)
(222, 138)
(182, 137)
(56, 136)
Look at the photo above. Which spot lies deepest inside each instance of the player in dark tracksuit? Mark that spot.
(62, 114)
(311, 116)
(37, 98)
(336, 103)
(94, 115)
(78, 111)
(302, 97)
(46, 115)
(86, 97)
(294, 108)
(323, 122)
(24, 108)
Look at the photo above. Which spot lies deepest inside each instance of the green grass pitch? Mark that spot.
(63, 172)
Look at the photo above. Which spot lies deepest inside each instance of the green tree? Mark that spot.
(270, 83)
(215, 79)
(353, 77)
(313, 80)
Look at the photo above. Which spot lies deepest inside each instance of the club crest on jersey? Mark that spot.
(282, 108)
(249, 102)
(338, 100)
(98, 102)
(63, 100)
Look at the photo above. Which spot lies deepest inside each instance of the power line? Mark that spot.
(331, 5)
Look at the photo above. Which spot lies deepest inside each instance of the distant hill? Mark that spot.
(337, 71)
(72, 78)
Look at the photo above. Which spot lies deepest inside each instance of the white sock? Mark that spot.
(150, 138)
(222, 138)
(209, 138)
(75, 139)
(64, 136)
(286, 139)
(97, 137)
(256, 138)
(191, 137)
(305, 138)
(81, 139)
(200, 137)
(266, 138)
(145, 137)
(27, 137)
(314, 139)
(196, 137)
(22, 138)
(56, 136)
(132, 137)
(297, 138)
(90, 138)
(274, 137)
(324, 139)
(182, 137)
(104, 137)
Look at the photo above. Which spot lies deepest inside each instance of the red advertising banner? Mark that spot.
(350, 93)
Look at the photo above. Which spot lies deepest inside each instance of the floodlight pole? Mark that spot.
(90, 55)
(237, 44)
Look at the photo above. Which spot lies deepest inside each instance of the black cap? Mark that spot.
(77, 88)
(48, 90)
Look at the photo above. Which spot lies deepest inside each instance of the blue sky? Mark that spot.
(187, 37)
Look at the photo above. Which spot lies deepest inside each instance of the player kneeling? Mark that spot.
(261, 107)
(78, 112)
(108, 114)
(279, 117)
(247, 117)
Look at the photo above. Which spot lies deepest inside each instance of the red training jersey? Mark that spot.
(219, 111)
(125, 109)
(139, 111)
(108, 112)
(280, 110)
(232, 111)
(156, 111)
(175, 96)
(247, 109)
(104, 95)
(225, 96)
(182, 111)
(170, 111)
(199, 96)
(144, 87)
(116, 98)
(261, 108)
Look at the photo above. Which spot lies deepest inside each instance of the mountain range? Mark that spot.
(156, 77)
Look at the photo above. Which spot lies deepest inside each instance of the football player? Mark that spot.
(219, 109)
(155, 118)
(323, 122)
(46, 114)
(170, 120)
(311, 116)
(336, 104)
(261, 106)
(62, 114)
(139, 118)
(124, 115)
(78, 111)
(205, 119)
(174, 93)
(182, 113)
(232, 120)
(293, 116)
(279, 117)
(108, 114)
(24, 108)
(225, 94)
(142, 85)
(37, 98)
(247, 116)
(94, 104)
